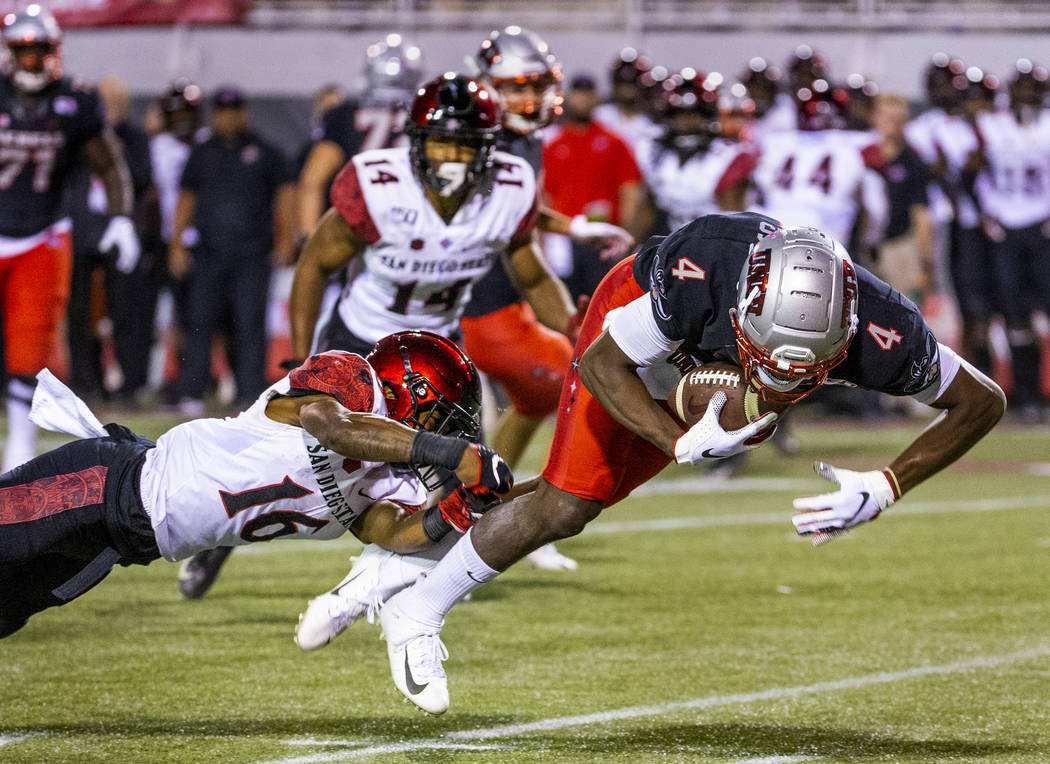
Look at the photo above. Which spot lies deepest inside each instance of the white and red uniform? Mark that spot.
(418, 268)
(637, 129)
(226, 482)
(1015, 187)
(690, 190)
(938, 136)
(818, 178)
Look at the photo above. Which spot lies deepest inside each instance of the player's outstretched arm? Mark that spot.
(331, 246)
(541, 288)
(971, 403)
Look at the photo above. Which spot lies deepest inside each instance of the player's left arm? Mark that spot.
(105, 157)
(393, 527)
(971, 405)
(544, 291)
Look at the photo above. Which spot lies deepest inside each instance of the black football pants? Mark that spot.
(68, 516)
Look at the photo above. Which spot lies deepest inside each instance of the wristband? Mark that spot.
(895, 485)
(435, 526)
(437, 450)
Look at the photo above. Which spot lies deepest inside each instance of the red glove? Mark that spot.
(463, 507)
(572, 331)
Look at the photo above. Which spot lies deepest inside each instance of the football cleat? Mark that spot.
(416, 652)
(547, 557)
(198, 573)
(328, 616)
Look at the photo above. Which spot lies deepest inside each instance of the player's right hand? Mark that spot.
(482, 468)
(708, 440)
(464, 506)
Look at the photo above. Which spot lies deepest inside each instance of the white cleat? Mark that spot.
(547, 557)
(357, 595)
(416, 652)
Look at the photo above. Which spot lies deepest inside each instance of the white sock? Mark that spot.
(21, 433)
(459, 572)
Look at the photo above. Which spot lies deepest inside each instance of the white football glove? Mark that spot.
(860, 498)
(615, 241)
(707, 440)
(120, 233)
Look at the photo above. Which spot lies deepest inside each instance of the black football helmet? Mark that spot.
(1028, 85)
(457, 109)
(945, 81)
(821, 106)
(626, 75)
(763, 82)
(512, 59)
(429, 384)
(181, 107)
(979, 91)
(32, 48)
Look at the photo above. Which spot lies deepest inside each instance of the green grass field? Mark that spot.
(698, 628)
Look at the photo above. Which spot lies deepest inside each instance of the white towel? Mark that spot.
(58, 409)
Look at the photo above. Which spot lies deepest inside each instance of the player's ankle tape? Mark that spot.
(435, 526)
(437, 450)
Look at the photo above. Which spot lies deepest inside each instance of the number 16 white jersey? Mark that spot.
(226, 482)
(418, 268)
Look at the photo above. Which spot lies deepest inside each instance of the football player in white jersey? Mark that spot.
(817, 173)
(341, 443)
(691, 171)
(1013, 191)
(428, 221)
(626, 114)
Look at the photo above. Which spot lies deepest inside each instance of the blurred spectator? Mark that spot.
(326, 98)
(905, 256)
(131, 330)
(393, 68)
(589, 170)
(626, 114)
(237, 190)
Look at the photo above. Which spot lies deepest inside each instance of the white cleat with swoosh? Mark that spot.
(416, 652)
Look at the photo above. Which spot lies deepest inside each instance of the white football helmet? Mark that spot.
(393, 70)
(32, 48)
(526, 76)
(796, 312)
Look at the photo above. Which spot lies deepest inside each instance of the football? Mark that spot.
(691, 395)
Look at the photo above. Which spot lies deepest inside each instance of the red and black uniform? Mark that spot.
(40, 139)
(690, 278)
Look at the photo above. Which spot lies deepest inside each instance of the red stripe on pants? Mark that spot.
(51, 495)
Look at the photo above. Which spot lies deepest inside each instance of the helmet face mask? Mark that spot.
(32, 49)
(455, 109)
(525, 75)
(429, 384)
(796, 312)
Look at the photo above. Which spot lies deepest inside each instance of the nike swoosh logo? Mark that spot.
(708, 453)
(863, 500)
(361, 492)
(413, 688)
(471, 577)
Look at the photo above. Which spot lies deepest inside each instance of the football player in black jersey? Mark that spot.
(393, 69)
(787, 305)
(46, 122)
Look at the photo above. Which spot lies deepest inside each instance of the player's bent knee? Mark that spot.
(568, 515)
(9, 626)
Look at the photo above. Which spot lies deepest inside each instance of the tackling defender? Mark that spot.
(339, 444)
(786, 304)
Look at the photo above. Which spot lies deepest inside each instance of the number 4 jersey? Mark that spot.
(226, 482)
(418, 268)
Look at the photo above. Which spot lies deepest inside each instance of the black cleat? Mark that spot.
(198, 573)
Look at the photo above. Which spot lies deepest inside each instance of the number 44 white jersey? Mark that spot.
(226, 482)
(813, 178)
(418, 268)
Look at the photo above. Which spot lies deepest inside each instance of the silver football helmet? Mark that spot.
(393, 70)
(526, 76)
(32, 48)
(796, 312)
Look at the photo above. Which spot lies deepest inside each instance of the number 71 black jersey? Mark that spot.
(691, 277)
(40, 138)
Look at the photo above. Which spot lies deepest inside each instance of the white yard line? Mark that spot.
(935, 507)
(661, 709)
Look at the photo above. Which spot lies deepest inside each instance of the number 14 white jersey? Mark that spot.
(418, 268)
(226, 482)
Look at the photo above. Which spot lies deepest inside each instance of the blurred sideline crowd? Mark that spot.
(948, 201)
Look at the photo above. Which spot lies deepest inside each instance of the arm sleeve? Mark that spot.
(349, 200)
(635, 331)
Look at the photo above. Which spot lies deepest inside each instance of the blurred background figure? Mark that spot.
(626, 113)
(108, 308)
(236, 190)
(373, 119)
(47, 125)
(590, 171)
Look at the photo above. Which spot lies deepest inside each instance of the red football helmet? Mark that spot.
(33, 48)
(458, 109)
(429, 383)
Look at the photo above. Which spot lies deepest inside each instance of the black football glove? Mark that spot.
(494, 474)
